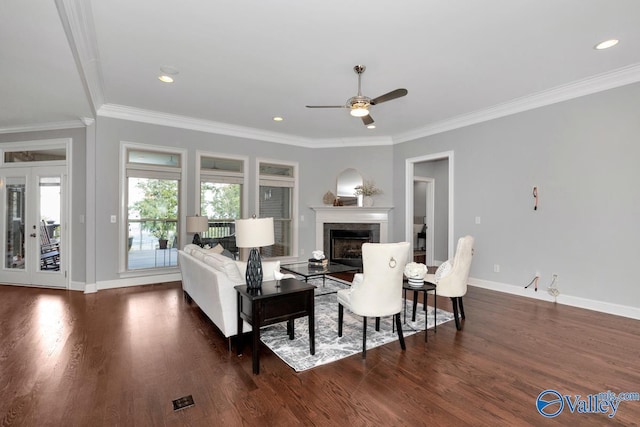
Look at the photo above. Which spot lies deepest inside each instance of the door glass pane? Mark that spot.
(47, 155)
(16, 198)
(152, 223)
(50, 223)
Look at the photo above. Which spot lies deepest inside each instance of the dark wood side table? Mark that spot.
(277, 301)
(425, 288)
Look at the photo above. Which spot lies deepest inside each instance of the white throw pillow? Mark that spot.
(217, 249)
(443, 270)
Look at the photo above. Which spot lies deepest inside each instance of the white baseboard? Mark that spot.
(76, 286)
(137, 281)
(604, 307)
(91, 288)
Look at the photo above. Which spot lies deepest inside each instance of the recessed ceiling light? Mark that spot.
(606, 44)
(371, 126)
(277, 119)
(166, 73)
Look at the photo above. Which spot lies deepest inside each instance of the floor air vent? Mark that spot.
(183, 402)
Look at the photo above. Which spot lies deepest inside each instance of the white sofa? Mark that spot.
(209, 279)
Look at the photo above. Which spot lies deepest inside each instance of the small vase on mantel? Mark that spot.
(367, 201)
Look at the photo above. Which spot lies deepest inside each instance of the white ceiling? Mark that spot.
(242, 62)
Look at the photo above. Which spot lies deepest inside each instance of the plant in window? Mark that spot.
(159, 206)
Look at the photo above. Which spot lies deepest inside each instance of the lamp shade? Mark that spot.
(197, 224)
(254, 232)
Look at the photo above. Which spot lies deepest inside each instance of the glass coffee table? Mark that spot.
(303, 269)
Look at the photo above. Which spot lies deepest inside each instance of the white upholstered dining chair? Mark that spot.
(452, 276)
(377, 292)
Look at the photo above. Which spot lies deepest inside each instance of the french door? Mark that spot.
(35, 248)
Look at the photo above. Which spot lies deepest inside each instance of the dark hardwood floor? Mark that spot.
(119, 357)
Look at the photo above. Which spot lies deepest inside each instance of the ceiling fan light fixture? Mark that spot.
(359, 110)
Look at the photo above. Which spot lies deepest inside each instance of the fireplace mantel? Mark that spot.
(351, 214)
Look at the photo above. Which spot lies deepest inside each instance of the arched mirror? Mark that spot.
(346, 184)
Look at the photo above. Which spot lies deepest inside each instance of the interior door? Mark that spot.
(34, 229)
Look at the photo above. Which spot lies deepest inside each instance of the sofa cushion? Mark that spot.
(224, 265)
(190, 248)
(198, 254)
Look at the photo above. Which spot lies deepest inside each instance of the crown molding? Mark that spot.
(44, 126)
(77, 21)
(601, 82)
(124, 112)
(352, 142)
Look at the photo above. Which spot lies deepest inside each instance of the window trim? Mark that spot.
(295, 179)
(244, 203)
(178, 173)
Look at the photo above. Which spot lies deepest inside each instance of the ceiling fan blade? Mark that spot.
(367, 120)
(389, 96)
(326, 106)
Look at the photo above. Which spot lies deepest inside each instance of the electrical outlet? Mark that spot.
(496, 268)
(537, 273)
(302, 251)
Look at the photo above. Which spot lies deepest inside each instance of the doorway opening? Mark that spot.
(437, 171)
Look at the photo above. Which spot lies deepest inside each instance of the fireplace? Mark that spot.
(346, 246)
(373, 221)
(343, 241)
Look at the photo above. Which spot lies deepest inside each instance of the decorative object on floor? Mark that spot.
(453, 284)
(377, 292)
(329, 348)
(415, 273)
(328, 198)
(254, 233)
(197, 224)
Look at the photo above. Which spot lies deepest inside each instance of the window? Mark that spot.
(221, 197)
(277, 199)
(152, 192)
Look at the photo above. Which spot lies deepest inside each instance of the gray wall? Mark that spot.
(582, 154)
(318, 171)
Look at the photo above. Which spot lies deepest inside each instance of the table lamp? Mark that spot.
(254, 233)
(197, 224)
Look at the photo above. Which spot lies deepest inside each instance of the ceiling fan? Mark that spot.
(359, 104)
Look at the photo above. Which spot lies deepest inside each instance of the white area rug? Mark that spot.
(330, 347)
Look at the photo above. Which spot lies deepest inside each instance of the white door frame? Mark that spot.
(430, 200)
(32, 275)
(409, 178)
